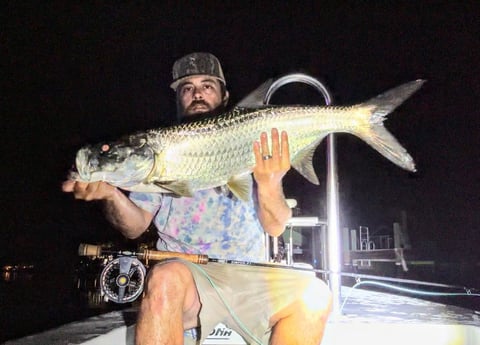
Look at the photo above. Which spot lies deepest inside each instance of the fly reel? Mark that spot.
(122, 279)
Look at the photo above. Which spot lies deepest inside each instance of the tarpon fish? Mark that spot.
(218, 151)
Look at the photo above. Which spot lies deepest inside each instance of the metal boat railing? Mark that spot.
(333, 230)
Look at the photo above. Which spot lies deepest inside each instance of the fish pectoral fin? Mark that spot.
(241, 186)
(177, 187)
(303, 163)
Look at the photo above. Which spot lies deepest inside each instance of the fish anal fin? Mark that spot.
(303, 163)
(241, 186)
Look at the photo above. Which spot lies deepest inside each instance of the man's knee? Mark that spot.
(313, 303)
(167, 274)
(168, 284)
(171, 284)
(303, 321)
(317, 297)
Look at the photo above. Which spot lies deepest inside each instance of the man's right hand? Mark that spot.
(89, 191)
(128, 218)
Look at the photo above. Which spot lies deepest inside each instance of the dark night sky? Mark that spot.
(73, 74)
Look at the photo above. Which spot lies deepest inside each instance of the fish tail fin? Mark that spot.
(377, 135)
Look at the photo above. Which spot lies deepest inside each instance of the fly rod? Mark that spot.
(202, 259)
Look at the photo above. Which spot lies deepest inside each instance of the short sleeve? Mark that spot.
(150, 202)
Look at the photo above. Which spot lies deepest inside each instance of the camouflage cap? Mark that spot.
(196, 64)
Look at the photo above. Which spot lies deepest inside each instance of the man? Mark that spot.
(262, 304)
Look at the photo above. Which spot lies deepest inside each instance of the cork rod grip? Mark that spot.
(161, 255)
(85, 249)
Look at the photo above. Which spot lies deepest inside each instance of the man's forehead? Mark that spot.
(200, 79)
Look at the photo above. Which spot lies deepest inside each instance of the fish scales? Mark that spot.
(211, 152)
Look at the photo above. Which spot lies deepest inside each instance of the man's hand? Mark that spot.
(127, 217)
(89, 191)
(271, 166)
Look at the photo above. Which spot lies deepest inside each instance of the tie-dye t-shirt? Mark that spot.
(212, 223)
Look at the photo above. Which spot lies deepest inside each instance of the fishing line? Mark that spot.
(407, 290)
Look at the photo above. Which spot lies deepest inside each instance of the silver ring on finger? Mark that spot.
(266, 157)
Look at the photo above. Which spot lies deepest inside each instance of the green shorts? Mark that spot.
(244, 297)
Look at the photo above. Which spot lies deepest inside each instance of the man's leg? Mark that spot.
(170, 305)
(303, 321)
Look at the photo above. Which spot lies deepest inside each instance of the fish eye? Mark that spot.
(105, 149)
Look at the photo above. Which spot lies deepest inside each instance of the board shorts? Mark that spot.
(244, 297)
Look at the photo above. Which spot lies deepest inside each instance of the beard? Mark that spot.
(200, 115)
(189, 110)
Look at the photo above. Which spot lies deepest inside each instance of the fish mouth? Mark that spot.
(132, 170)
(82, 164)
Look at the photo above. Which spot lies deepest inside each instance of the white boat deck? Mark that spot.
(367, 318)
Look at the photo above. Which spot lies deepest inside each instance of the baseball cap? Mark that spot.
(196, 64)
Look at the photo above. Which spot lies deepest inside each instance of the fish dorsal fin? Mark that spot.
(241, 186)
(255, 99)
(177, 187)
(303, 163)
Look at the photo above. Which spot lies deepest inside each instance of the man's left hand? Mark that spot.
(271, 166)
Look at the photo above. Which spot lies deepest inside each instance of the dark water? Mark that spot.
(34, 301)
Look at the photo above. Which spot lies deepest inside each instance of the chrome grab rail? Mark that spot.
(333, 230)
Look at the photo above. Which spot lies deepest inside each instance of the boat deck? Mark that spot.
(367, 318)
